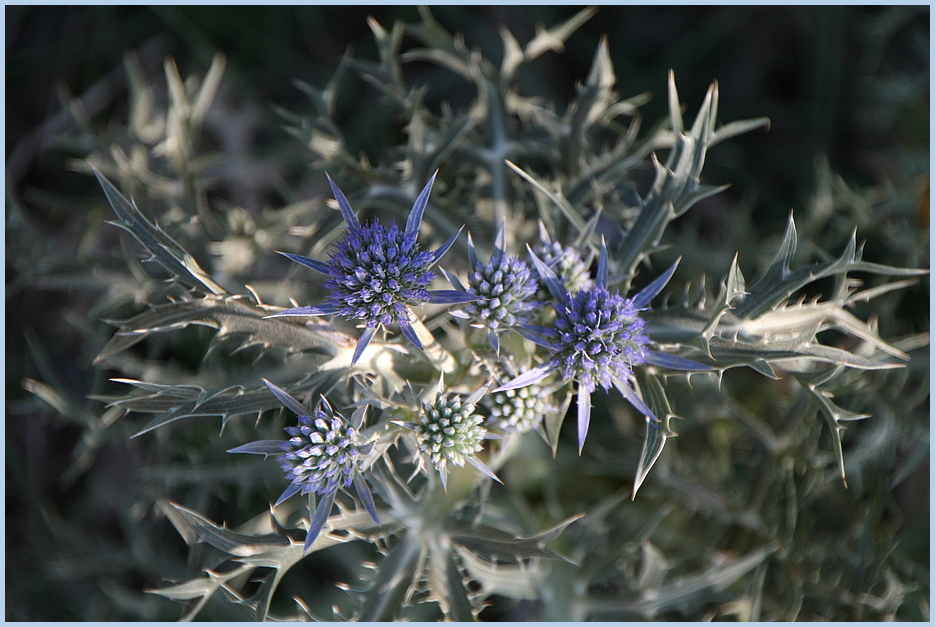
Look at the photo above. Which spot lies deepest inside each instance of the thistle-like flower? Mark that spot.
(517, 410)
(448, 430)
(568, 265)
(565, 261)
(597, 338)
(503, 287)
(376, 274)
(321, 456)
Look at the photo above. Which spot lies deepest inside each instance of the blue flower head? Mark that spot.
(504, 287)
(321, 456)
(597, 338)
(565, 261)
(376, 274)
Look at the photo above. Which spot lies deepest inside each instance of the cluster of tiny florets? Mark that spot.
(504, 286)
(376, 273)
(598, 338)
(449, 430)
(517, 410)
(321, 453)
(567, 263)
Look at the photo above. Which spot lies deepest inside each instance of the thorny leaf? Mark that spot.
(162, 248)
(231, 316)
(656, 432)
(175, 402)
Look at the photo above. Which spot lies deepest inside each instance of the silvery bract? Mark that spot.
(418, 399)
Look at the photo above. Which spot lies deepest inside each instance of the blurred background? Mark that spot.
(846, 90)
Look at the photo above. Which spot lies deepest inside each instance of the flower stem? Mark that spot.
(439, 355)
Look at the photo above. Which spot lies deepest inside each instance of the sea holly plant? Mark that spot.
(503, 288)
(376, 274)
(449, 431)
(564, 261)
(321, 455)
(597, 338)
(419, 462)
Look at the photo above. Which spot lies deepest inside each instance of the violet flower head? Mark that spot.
(567, 263)
(376, 274)
(321, 456)
(596, 339)
(504, 288)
